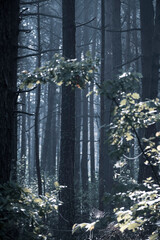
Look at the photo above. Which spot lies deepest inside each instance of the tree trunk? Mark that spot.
(23, 140)
(149, 72)
(102, 114)
(38, 94)
(9, 21)
(116, 37)
(66, 168)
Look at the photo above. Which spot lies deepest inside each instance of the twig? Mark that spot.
(24, 91)
(83, 24)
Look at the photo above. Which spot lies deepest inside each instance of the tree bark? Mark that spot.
(66, 168)
(116, 37)
(150, 68)
(9, 21)
(38, 94)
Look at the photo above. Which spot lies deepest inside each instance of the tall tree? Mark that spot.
(9, 21)
(105, 166)
(66, 167)
(116, 36)
(38, 94)
(102, 112)
(150, 44)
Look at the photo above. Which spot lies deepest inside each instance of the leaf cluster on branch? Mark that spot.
(61, 71)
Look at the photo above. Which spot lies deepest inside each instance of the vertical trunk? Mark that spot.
(102, 113)
(149, 81)
(66, 168)
(84, 160)
(23, 139)
(147, 26)
(92, 128)
(108, 76)
(9, 21)
(78, 122)
(92, 156)
(128, 37)
(156, 53)
(53, 143)
(38, 94)
(135, 35)
(29, 141)
(116, 37)
(49, 145)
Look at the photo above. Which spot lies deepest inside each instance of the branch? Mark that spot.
(41, 14)
(24, 91)
(133, 60)
(125, 30)
(25, 47)
(83, 45)
(60, 18)
(30, 114)
(25, 30)
(35, 2)
(83, 24)
(37, 54)
(23, 10)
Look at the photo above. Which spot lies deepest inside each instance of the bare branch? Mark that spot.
(37, 54)
(24, 91)
(83, 24)
(34, 2)
(28, 48)
(125, 30)
(132, 60)
(21, 112)
(41, 14)
(23, 10)
(25, 30)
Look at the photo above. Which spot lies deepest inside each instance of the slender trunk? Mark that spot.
(102, 112)
(29, 142)
(38, 94)
(84, 160)
(92, 148)
(128, 37)
(23, 140)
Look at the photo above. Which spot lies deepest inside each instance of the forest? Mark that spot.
(79, 119)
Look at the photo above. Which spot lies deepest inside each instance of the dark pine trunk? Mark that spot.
(66, 167)
(9, 14)
(150, 68)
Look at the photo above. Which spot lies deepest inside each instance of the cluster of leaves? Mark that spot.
(131, 114)
(59, 70)
(22, 213)
(144, 214)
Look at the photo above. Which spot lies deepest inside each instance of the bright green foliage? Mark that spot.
(22, 213)
(59, 70)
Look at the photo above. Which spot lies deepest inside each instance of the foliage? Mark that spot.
(144, 214)
(59, 70)
(22, 213)
(129, 115)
